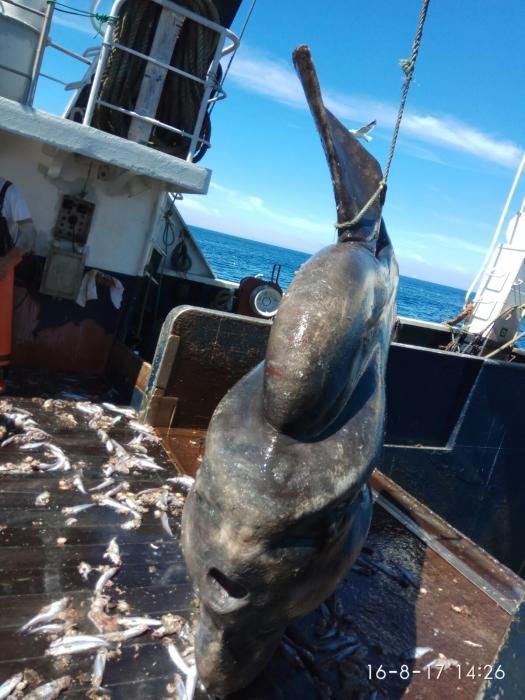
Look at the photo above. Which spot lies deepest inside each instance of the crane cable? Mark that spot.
(408, 67)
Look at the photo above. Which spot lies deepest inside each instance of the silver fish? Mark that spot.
(124, 635)
(30, 446)
(98, 668)
(47, 613)
(191, 682)
(104, 484)
(54, 628)
(9, 685)
(136, 621)
(142, 429)
(116, 489)
(163, 506)
(127, 412)
(62, 462)
(51, 690)
(72, 510)
(119, 507)
(106, 576)
(75, 644)
(147, 464)
(180, 688)
(177, 658)
(77, 481)
(165, 523)
(418, 652)
(89, 409)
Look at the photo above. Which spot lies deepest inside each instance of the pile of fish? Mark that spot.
(18, 428)
(100, 629)
(60, 623)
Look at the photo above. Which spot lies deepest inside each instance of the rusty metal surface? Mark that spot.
(506, 586)
(82, 346)
(216, 349)
(185, 446)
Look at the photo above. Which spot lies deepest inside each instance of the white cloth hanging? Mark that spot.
(88, 289)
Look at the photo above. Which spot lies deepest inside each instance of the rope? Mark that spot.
(193, 53)
(408, 66)
(69, 10)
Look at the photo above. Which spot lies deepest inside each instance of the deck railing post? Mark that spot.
(39, 56)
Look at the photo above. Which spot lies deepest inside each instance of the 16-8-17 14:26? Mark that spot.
(434, 671)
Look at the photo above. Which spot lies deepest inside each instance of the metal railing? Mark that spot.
(227, 43)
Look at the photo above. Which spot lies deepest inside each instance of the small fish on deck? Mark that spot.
(177, 658)
(47, 614)
(98, 668)
(127, 412)
(51, 690)
(105, 578)
(76, 644)
(9, 685)
(124, 635)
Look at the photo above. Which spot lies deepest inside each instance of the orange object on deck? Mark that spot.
(7, 283)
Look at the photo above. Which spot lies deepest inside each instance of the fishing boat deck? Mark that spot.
(404, 593)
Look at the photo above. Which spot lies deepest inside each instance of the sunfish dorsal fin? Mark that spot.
(356, 175)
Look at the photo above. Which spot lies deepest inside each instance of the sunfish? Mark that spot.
(280, 507)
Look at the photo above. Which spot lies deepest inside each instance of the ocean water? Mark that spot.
(233, 258)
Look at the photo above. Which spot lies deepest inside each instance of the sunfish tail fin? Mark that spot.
(356, 175)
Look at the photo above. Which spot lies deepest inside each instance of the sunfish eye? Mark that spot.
(224, 588)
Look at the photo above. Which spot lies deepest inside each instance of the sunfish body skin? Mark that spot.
(280, 508)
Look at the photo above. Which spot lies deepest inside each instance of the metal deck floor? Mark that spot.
(402, 594)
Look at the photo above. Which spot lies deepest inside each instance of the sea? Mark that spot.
(232, 258)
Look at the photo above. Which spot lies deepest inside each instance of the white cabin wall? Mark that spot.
(199, 264)
(126, 204)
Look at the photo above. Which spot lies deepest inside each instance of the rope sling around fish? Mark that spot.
(408, 67)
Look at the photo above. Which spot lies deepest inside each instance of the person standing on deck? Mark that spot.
(17, 236)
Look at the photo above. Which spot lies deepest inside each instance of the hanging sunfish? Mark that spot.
(280, 507)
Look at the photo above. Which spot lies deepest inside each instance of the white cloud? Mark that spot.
(79, 24)
(252, 203)
(268, 77)
(278, 82)
(457, 243)
(402, 255)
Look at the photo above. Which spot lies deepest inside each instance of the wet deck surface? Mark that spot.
(40, 553)
(400, 596)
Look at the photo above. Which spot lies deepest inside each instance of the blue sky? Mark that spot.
(460, 143)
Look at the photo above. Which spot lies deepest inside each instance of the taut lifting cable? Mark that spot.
(408, 66)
